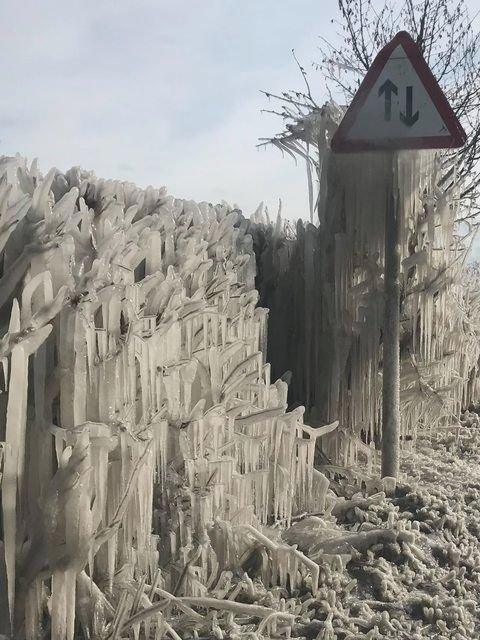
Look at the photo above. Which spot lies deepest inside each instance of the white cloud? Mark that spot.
(157, 92)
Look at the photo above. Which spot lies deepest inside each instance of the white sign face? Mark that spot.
(399, 105)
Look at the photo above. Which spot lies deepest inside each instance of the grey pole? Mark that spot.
(391, 333)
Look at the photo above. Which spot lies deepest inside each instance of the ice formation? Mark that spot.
(153, 483)
(144, 442)
(332, 275)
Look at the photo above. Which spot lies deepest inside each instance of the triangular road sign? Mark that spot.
(399, 105)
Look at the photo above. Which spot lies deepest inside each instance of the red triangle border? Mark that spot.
(457, 136)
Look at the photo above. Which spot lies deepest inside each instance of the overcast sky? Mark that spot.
(160, 92)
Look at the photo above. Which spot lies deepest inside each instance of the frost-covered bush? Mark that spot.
(138, 417)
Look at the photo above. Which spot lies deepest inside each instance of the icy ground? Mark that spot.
(414, 570)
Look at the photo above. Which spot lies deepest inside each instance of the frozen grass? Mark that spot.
(145, 445)
(153, 484)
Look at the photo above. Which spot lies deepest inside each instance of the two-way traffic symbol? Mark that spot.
(399, 105)
(408, 118)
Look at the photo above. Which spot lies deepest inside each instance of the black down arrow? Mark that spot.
(408, 118)
(388, 88)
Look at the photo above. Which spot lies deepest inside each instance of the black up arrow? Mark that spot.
(408, 118)
(388, 88)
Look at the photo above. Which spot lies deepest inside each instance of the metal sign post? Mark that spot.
(399, 105)
(391, 333)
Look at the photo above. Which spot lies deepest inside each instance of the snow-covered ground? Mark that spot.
(414, 570)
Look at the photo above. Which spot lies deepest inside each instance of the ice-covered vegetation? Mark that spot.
(331, 273)
(154, 484)
(145, 445)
